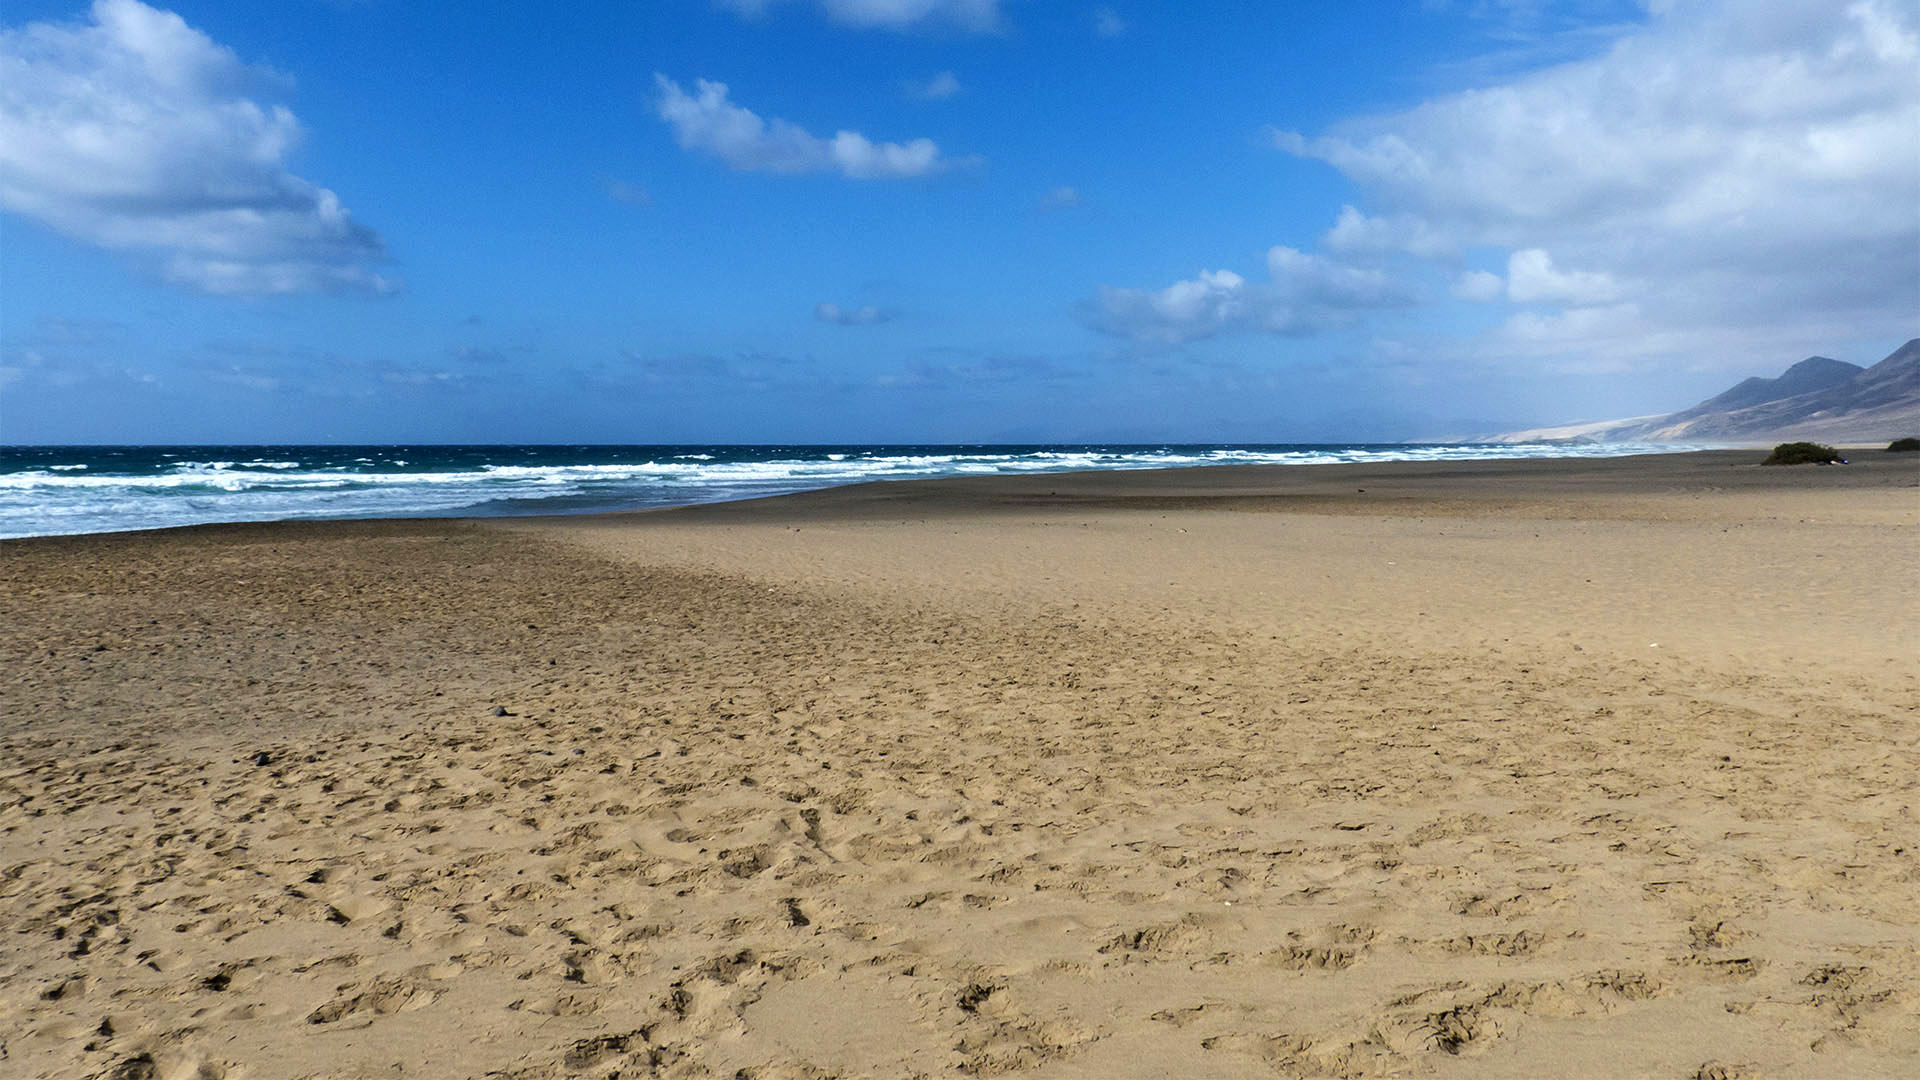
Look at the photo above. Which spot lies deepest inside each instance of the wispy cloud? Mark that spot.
(1526, 35)
(268, 367)
(864, 315)
(964, 369)
(1107, 23)
(1061, 198)
(706, 121)
(625, 193)
(476, 354)
(66, 352)
(974, 16)
(133, 131)
(681, 372)
(938, 87)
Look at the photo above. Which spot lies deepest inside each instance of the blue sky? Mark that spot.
(937, 220)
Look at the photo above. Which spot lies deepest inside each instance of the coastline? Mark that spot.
(1435, 486)
(46, 491)
(1493, 768)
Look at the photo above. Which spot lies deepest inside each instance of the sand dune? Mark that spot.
(1534, 768)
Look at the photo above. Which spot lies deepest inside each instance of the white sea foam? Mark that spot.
(68, 498)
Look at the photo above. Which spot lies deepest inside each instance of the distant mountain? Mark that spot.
(1817, 398)
(1813, 373)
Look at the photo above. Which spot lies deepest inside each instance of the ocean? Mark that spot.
(55, 490)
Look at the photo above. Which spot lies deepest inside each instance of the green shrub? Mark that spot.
(1802, 453)
(1904, 446)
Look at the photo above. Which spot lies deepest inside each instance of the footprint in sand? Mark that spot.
(380, 998)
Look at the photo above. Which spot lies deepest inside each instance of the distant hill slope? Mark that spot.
(1813, 373)
(1817, 398)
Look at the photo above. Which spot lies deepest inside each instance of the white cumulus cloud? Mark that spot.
(1478, 286)
(1304, 294)
(133, 131)
(1532, 276)
(976, 16)
(1745, 170)
(707, 121)
(1356, 233)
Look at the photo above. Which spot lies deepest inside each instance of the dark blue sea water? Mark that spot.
(50, 490)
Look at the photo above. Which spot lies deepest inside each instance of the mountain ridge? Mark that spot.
(1813, 373)
(1818, 398)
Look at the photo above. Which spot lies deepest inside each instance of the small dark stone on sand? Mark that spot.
(263, 758)
(499, 710)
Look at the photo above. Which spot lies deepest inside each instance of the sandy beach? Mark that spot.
(1597, 767)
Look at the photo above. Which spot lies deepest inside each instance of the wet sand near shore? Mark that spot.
(1517, 768)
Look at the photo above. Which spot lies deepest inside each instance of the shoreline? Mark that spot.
(1310, 487)
(1249, 482)
(1597, 766)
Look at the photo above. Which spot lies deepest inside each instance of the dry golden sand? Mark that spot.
(1522, 769)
